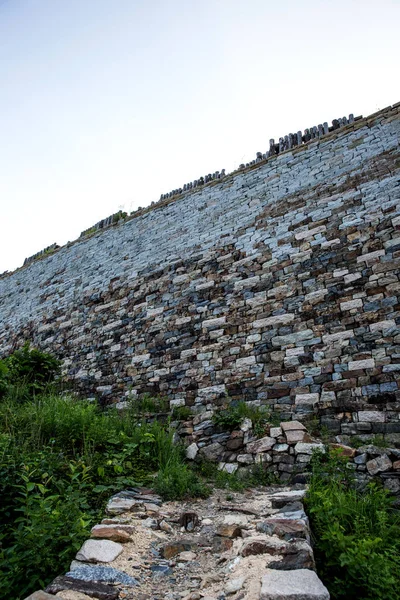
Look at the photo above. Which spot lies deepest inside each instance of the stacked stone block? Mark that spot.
(278, 285)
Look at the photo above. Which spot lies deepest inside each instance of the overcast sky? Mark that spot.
(107, 104)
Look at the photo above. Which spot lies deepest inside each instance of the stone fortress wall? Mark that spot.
(277, 284)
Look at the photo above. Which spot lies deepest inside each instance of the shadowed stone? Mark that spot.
(100, 591)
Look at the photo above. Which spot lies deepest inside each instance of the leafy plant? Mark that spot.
(231, 417)
(357, 534)
(181, 413)
(28, 371)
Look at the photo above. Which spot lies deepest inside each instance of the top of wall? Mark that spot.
(254, 208)
(290, 144)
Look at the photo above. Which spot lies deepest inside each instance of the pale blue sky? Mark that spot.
(109, 103)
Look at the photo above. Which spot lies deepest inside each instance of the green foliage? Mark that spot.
(357, 534)
(147, 404)
(60, 461)
(255, 475)
(181, 413)
(231, 417)
(27, 372)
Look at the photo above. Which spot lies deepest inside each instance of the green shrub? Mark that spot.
(27, 372)
(181, 413)
(60, 461)
(231, 417)
(356, 534)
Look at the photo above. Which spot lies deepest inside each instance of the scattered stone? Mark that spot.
(99, 551)
(164, 526)
(70, 595)
(110, 532)
(300, 584)
(187, 556)
(175, 547)
(263, 545)
(229, 530)
(234, 585)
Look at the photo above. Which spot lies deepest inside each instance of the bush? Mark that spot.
(27, 372)
(231, 417)
(60, 461)
(357, 534)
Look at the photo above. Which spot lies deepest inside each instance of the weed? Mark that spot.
(181, 413)
(357, 535)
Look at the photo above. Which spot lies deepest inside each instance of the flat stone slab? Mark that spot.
(118, 505)
(100, 574)
(101, 591)
(281, 498)
(286, 529)
(110, 532)
(292, 426)
(99, 551)
(302, 448)
(299, 584)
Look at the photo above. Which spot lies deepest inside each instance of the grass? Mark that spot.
(60, 460)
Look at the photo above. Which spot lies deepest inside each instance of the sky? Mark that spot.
(106, 104)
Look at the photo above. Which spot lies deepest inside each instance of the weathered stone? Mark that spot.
(299, 584)
(101, 591)
(71, 595)
(371, 416)
(263, 545)
(187, 556)
(262, 445)
(221, 544)
(301, 448)
(234, 585)
(286, 529)
(296, 288)
(379, 465)
(303, 559)
(100, 574)
(344, 450)
(171, 549)
(212, 452)
(292, 426)
(117, 505)
(191, 451)
(275, 432)
(229, 530)
(99, 551)
(110, 532)
(280, 499)
(295, 435)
